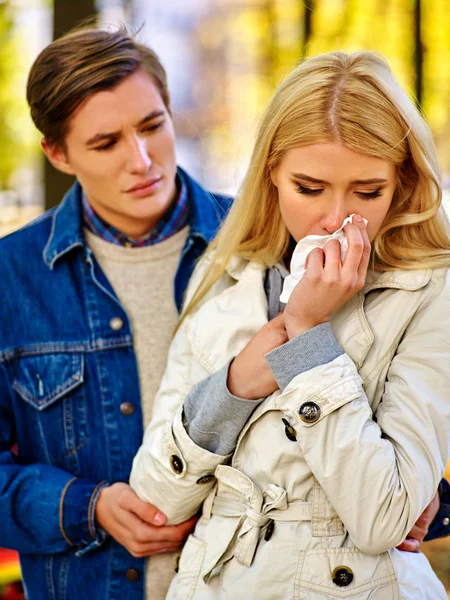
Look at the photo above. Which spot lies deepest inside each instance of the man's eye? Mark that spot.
(301, 189)
(154, 127)
(106, 146)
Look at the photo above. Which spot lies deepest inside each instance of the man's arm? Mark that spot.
(43, 509)
(440, 526)
(46, 510)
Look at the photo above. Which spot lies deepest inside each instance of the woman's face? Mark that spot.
(321, 184)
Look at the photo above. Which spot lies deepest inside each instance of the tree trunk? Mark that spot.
(67, 14)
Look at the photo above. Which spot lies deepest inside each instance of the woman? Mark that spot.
(316, 438)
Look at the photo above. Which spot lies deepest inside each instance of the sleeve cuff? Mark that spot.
(444, 491)
(312, 348)
(77, 510)
(440, 527)
(214, 417)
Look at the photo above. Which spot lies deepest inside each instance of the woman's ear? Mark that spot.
(57, 157)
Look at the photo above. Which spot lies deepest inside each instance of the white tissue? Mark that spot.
(303, 248)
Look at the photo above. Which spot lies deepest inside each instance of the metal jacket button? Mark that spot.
(309, 412)
(132, 575)
(205, 478)
(269, 530)
(289, 431)
(342, 576)
(126, 408)
(116, 323)
(176, 464)
(446, 521)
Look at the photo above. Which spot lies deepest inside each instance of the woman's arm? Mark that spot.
(379, 471)
(170, 471)
(194, 430)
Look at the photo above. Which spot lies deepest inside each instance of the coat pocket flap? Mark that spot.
(345, 573)
(42, 380)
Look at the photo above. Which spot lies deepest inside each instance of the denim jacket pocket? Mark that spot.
(56, 422)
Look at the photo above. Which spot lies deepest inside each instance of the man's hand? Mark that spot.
(420, 529)
(249, 375)
(137, 525)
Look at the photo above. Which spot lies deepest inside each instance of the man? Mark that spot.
(91, 291)
(91, 298)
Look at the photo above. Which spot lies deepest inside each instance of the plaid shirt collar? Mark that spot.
(172, 222)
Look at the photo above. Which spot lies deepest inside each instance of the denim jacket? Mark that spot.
(65, 369)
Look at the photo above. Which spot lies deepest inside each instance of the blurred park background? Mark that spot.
(223, 59)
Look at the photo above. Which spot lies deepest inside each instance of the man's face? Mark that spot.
(121, 148)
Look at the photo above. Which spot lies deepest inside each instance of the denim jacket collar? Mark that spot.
(67, 230)
(67, 226)
(206, 210)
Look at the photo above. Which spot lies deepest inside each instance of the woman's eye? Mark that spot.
(301, 189)
(370, 195)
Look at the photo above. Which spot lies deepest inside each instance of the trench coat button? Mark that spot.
(116, 323)
(132, 575)
(126, 408)
(205, 478)
(309, 412)
(269, 530)
(342, 576)
(176, 563)
(289, 431)
(176, 464)
(446, 521)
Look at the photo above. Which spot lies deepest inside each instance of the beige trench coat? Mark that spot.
(318, 517)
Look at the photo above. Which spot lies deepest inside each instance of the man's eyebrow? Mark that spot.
(99, 137)
(305, 177)
(151, 115)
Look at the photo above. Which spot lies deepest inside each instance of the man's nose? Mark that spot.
(140, 161)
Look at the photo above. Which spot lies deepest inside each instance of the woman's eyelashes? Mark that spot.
(301, 189)
(370, 195)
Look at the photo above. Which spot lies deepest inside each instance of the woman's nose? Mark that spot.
(334, 219)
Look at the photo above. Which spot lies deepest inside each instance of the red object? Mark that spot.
(7, 556)
(12, 591)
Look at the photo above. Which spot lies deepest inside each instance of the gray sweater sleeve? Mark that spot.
(314, 347)
(214, 417)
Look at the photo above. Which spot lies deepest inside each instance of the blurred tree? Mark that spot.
(16, 142)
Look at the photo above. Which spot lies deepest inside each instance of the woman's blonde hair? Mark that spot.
(355, 100)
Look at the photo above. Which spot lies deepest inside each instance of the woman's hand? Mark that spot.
(249, 375)
(328, 283)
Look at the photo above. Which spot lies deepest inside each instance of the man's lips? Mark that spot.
(143, 185)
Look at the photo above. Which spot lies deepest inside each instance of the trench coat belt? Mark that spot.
(238, 497)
